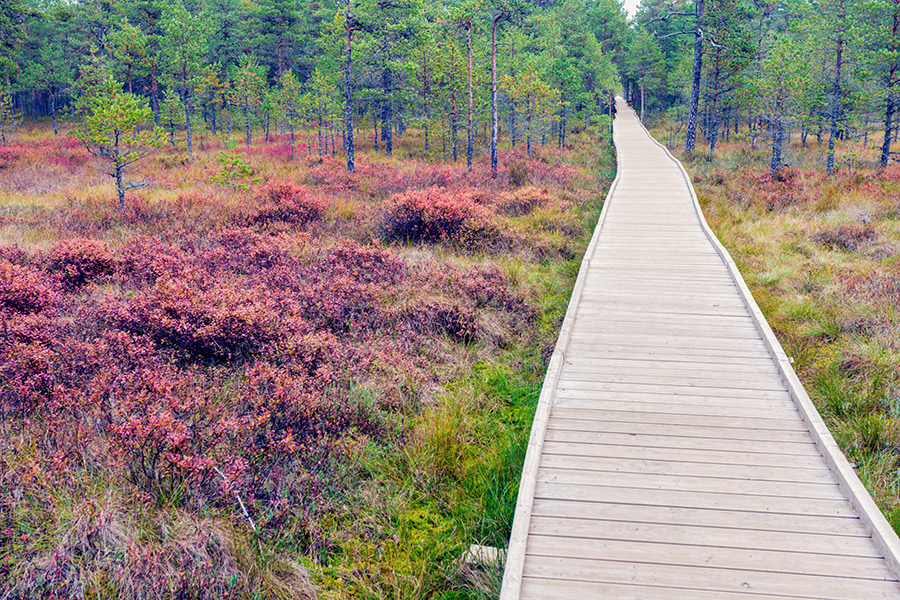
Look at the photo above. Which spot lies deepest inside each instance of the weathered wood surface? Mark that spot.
(674, 453)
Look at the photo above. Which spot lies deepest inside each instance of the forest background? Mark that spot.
(200, 396)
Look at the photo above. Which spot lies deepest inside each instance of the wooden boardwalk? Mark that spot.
(674, 453)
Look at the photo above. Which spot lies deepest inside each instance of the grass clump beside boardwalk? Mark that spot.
(821, 255)
(321, 386)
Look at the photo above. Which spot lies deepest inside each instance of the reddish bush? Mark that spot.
(14, 254)
(523, 201)
(22, 289)
(242, 251)
(146, 259)
(846, 237)
(285, 202)
(79, 261)
(220, 323)
(435, 215)
(457, 321)
(365, 264)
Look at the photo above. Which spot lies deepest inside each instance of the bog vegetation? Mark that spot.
(278, 280)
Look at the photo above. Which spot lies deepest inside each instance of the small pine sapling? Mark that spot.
(235, 173)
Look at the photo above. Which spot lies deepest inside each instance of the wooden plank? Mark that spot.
(749, 521)
(716, 537)
(587, 380)
(719, 457)
(649, 358)
(688, 469)
(711, 578)
(694, 555)
(671, 390)
(593, 438)
(536, 588)
(582, 340)
(676, 417)
(574, 473)
(663, 369)
(703, 431)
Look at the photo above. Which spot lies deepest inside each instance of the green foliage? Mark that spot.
(171, 114)
(234, 172)
(9, 118)
(114, 130)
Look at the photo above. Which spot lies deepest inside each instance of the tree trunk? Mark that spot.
(53, 112)
(454, 134)
(387, 114)
(835, 100)
(528, 120)
(425, 100)
(120, 188)
(512, 124)
(691, 137)
(777, 141)
(292, 142)
(154, 94)
(494, 122)
(611, 100)
(642, 101)
(348, 96)
(891, 82)
(470, 142)
(187, 122)
(247, 127)
(888, 119)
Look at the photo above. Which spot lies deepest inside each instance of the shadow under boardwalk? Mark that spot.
(674, 454)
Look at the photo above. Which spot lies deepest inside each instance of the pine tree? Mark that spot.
(114, 133)
(171, 114)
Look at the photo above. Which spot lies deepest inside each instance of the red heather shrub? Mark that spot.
(779, 191)
(146, 259)
(8, 157)
(436, 215)
(846, 237)
(285, 202)
(457, 321)
(523, 201)
(366, 264)
(220, 323)
(242, 251)
(330, 174)
(14, 254)
(78, 261)
(23, 289)
(487, 286)
(875, 285)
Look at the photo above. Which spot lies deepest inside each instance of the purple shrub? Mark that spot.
(79, 261)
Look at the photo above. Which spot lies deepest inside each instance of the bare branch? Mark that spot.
(674, 33)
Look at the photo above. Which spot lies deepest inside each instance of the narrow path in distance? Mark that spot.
(674, 453)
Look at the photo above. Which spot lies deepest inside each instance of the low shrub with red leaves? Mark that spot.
(523, 201)
(284, 202)
(23, 289)
(436, 215)
(847, 238)
(79, 261)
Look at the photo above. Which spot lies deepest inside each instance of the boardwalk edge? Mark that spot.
(515, 552)
(883, 535)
